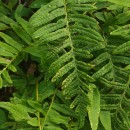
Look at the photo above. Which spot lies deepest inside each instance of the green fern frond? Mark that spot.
(81, 49)
(16, 110)
(10, 49)
(61, 23)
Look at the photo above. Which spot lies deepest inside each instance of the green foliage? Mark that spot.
(68, 63)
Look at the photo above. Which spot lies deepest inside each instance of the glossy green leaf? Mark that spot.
(94, 106)
(105, 119)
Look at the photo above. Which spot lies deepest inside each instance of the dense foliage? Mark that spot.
(65, 65)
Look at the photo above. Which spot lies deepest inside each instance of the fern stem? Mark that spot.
(69, 35)
(36, 90)
(38, 114)
(50, 107)
(71, 43)
(67, 25)
(8, 64)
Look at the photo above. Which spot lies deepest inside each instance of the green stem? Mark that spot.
(38, 114)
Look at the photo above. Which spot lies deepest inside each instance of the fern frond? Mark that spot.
(17, 110)
(10, 49)
(80, 51)
(61, 23)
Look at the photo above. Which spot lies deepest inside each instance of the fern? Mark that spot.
(70, 30)
(9, 51)
(81, 48)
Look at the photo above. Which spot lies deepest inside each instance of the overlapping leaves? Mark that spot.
(62, 25)
(84, 50)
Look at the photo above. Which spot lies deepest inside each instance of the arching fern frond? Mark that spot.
(73, 36)
(79, 52)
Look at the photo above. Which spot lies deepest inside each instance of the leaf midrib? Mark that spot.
(70, 39)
